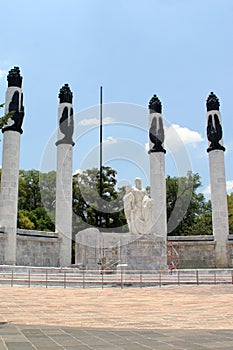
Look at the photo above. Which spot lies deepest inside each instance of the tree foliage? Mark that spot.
(197, 218)
(37, 194)
(4, 119)
(230, 211)
(89, 207)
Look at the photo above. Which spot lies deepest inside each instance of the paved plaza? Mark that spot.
(173, 318)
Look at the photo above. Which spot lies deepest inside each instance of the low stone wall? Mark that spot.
(199, 251)
(230, 252)
(2, 247)
(140, 253)
(37, 248)
(95, 249)
(197, 255)
(193, 251)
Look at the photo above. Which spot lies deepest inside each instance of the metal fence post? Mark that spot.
(12, 278)
(160, 279)
(178, 277)
(46, 279)
(102, 278)
(64, 279)
(197, 278)
(140, 279)
(29, 279)
(121, 278)
(83, 279)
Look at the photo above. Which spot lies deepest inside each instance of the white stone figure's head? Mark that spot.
(138, 183)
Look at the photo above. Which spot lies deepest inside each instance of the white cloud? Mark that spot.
(186, 135)
(2, 73)
(206, 191)
(95, 121)
(110, 141)
(229, 147)
(229, 187)
(177, 136)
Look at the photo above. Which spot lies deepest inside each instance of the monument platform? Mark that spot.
(135, 252)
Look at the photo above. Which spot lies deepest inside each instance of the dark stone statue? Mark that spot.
(156, 134)
(65, 94)
(66, 125)
(18, 114)
(214, 127)
(155, 105)
(214, 133)
(212, 102)
(14, 78)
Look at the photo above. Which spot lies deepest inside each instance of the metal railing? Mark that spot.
(121, 279)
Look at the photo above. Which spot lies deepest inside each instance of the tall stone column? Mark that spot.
(157, 168)
(10, 162)
(64, 174)
(217, 180)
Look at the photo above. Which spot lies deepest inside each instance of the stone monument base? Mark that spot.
(97, 250)
(147, 253)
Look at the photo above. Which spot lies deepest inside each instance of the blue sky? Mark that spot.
(181, 50)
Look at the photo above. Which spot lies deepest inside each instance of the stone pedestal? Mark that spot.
(158, 194)
(10, 162)
(100, 250)
(157, 169)
(64, 201)
(64, 174)
(147, 253)
(219, 205)
(89, 248)
(217, 179)
(9, 192)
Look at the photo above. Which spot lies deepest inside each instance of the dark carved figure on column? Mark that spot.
(156, 134)
(66, 125)
(155, 105)
(16, 106)
(214, 127)
(214, 133)
(212, 102)
(65, 94)
(14, 78)
(66, 122)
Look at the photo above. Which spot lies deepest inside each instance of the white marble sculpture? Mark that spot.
(138, 209)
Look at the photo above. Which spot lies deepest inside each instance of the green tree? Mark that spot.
(196, 219)
(230, 211)
(47, 185)
(29, 190)
(202, 223)
(23, 221)
(36, 200)
(4, 119)
(37, 191)
(87, 204)
(41, 219)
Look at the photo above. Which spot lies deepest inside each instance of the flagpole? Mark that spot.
(101, 151)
